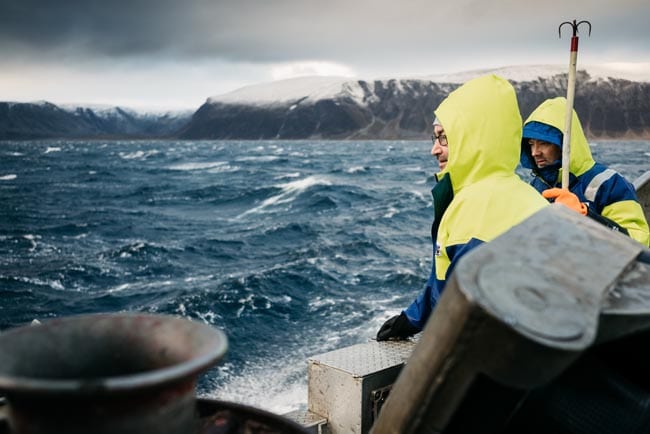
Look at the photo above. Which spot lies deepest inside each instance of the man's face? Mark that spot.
(439, 149)
(544, 153)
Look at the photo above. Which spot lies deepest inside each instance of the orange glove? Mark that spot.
(566, 198)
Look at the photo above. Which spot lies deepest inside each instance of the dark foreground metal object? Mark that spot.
(220, 417)
(542, 330)
(106, 374)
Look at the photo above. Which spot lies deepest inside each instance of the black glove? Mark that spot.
(397, 327)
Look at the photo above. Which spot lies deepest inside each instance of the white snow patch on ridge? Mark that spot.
(627, 71)
(288, 90)
(315, 88)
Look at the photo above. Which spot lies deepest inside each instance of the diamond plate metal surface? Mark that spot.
(367, 358)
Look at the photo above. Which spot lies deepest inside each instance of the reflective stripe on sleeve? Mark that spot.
(596, 182)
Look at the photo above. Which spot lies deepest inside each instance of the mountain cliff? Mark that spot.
(19, 121)
(609, 107)
(612, 104)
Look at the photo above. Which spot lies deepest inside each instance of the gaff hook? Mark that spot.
(575, 26)
(571, 84)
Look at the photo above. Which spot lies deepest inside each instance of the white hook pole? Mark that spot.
(570, 94)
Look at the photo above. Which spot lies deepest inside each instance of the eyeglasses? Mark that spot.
(442, 138)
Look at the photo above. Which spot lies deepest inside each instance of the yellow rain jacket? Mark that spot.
(484, 195)
(606, 193)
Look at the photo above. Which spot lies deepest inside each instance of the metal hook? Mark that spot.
(575, 26)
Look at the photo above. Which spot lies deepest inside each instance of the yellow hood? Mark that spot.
(552, 112)
(483, 127)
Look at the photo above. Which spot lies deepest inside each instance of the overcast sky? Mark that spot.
(177, 53)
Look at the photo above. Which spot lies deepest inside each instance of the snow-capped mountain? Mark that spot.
(626, 71)
(311, 89)
(613, 101)
(46, 120)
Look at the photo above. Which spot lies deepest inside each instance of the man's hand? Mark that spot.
(566, 198)
(397, 327)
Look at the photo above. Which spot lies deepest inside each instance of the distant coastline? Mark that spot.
(611, 106)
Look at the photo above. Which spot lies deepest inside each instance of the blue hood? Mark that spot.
(539, 131)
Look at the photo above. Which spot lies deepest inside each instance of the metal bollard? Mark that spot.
(106, 374)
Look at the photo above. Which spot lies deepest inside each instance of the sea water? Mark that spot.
(292, 248)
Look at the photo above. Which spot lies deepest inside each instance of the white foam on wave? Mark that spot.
(138, 155)
(133, 249)
(208, 317)
(32, 239)
(255, 301)
(392, 212)
(54, 284)
(9, 177)
(290, 191)
(51, 149)
(277, 386)
(198, 166)
(288, 175)
(320, 302)
(356, 169)
(118, 288)
(261, 158)
(202, 278)
(246, 302)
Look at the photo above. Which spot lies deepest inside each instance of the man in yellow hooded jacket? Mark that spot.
(594, 189)
(478, 195)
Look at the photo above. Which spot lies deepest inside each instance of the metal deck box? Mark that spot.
(349, 385)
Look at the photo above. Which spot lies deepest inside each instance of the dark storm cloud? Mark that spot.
(234, 30)
(350, 31)
(116, 27)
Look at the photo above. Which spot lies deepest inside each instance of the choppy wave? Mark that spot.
(288, 193)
